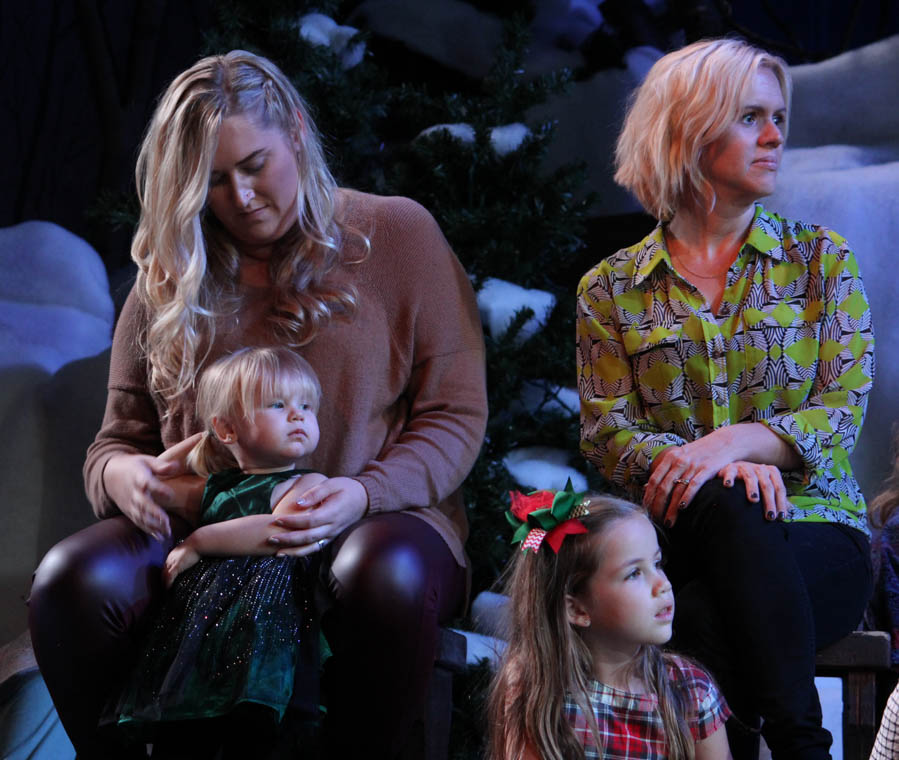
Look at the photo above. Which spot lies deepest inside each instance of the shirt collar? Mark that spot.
(765, 236)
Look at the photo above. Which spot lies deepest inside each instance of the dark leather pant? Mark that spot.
(392, 578)
(754, 600)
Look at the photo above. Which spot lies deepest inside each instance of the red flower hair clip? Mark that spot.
(546, 515)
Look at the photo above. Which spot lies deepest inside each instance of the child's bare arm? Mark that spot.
(713, 747)
(235, 537)
(242, 536)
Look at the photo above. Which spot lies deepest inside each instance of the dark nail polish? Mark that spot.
(754, 496)
(682, 505)
(728, 483)
(770, 515)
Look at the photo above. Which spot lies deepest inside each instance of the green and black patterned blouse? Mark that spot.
(792, 347)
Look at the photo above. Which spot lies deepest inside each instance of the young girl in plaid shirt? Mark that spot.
(583, 675)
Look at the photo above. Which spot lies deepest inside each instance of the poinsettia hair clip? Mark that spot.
(546, 516)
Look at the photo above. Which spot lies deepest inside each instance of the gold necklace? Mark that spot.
(671, 255)
(670, 240)
(715, 276)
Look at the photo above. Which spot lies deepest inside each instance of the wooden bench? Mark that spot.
(859, 660)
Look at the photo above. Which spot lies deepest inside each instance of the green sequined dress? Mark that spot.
(231, 630)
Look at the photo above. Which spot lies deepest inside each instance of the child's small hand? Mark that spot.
(180, 559)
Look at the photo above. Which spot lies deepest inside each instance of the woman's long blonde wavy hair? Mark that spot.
(690, 97)
(188, 266)
(546, 658)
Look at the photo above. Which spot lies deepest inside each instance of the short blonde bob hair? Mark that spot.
(688, 100)
(188, 265)
(235, 385)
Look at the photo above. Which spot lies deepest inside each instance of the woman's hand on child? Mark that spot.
(135, 483)
(178, 454)
(330, 507)
(178, 560)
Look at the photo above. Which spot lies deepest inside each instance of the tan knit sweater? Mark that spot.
(404, 401)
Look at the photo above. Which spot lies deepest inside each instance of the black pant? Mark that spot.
(392, 578)
(755, 599)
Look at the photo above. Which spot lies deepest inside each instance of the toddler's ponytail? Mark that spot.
(209, 455)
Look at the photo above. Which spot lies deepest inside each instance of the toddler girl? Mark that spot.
(583, 675)
(236, 629)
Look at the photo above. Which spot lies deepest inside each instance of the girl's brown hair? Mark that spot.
(545, 657)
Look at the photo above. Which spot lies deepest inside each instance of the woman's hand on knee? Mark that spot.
(134, 482)
(331, 507)
(763, 482)
(679, 472)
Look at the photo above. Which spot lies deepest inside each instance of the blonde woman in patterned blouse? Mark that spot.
(723, 364)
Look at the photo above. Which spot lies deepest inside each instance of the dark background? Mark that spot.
(79, 79)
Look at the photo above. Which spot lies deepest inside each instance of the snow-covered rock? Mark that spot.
(54, 297)
(453, 33)
(841, 170)
(566, 22)
(56, 313)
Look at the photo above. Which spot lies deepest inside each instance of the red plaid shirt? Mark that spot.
(630, 725)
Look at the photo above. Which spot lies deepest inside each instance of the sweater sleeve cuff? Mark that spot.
(375, 495)
(104, 506)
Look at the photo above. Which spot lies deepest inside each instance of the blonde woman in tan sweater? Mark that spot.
(245, 240)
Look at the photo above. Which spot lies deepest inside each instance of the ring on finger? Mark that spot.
(682, 481)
